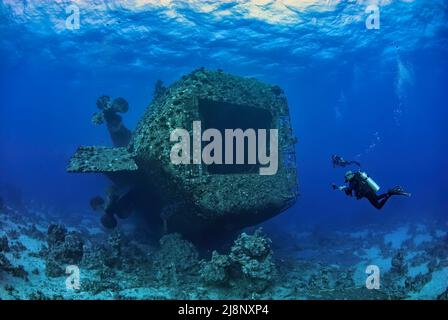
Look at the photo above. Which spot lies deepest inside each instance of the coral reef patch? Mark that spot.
(307, 264)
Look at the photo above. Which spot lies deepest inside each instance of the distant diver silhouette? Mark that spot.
(338, 161)
(363, 186)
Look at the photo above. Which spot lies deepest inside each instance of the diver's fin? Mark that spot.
(101, 159)
(398, 191)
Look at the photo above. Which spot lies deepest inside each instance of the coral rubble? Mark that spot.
(125, 264)
(249, 265)
(179, 255)
(64, 248)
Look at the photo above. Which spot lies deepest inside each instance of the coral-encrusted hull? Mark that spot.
(102, 160)
(208, 198)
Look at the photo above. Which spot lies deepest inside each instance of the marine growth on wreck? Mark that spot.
(209, 198)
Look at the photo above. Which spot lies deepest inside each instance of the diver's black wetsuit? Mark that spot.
(361, 189)
(356, 186)
(338, 161)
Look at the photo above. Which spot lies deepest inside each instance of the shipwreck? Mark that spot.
(197, 199)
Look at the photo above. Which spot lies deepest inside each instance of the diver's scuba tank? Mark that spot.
(372, 184)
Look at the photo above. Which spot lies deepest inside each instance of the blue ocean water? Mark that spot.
(377, 96)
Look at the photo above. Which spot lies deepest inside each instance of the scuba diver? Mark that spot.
(364, 187)
(338, 161)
